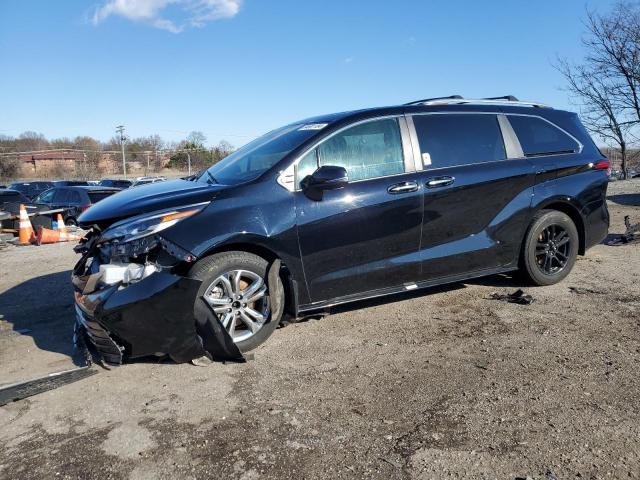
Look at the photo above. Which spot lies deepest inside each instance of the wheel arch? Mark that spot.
(288, 281)
(573, 213)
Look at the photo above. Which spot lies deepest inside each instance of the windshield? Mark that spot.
(258, 156)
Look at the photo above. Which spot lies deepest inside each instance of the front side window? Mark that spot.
(448, 140)
(369, 150)
(306, 166)
(539, 137)
(45, 197)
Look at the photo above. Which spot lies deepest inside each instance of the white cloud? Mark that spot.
(193, 13)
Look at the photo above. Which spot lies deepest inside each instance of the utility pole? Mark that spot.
(120, 130)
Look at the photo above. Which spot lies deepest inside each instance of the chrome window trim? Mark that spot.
(512, 146)
(407, 150)
(292, 187)
(415, 145)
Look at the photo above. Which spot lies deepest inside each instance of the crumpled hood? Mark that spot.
(147, 199)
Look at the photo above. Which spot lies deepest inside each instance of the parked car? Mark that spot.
(147, 180)
(74, 200)
(70, 183)
(10, 201)
(335, 209)
(115, 183)
(31, 189)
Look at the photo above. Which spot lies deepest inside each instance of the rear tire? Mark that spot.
(550, 248)
(218, 274)
(71, 222)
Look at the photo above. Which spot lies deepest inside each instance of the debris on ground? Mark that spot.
(631, 235)
(586, 291)
(21, 390)
(518, 297)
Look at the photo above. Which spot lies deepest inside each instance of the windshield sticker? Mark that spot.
(313, 126)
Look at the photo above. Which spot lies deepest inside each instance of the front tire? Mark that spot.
(550, 248)
(235, 286)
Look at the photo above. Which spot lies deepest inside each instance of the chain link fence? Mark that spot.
(74, 164)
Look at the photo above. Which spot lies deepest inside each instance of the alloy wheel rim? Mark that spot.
(239, 299)
(553, 249)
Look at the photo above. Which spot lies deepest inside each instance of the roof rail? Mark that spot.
(451, 97)
(458, 100)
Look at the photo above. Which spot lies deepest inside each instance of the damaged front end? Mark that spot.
(133, 298)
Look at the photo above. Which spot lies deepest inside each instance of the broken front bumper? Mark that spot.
(151, 317)
(158, 315)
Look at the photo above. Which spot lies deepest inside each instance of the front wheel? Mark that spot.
(550, 248)
(235, 286)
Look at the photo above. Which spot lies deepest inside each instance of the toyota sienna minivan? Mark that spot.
(335, 209)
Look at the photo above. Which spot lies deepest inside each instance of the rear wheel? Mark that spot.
(234, 284)
(550, 248)
(71, 222)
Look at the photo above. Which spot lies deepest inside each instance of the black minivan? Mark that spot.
(335, 209)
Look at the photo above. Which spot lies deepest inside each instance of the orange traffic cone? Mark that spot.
(46, 235)
(68, 237)
(61, 226)
(25, 233)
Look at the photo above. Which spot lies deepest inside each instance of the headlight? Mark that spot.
(145, 225)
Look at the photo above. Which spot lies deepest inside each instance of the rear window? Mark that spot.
(95, 197)
(539, 137)
(447, 140)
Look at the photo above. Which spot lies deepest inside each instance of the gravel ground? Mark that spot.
(442, 383)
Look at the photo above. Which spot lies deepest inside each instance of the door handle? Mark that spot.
(404, 187)
(436, 182)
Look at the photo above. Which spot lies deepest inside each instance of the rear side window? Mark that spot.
(95, 197)
(447, 140)
(62, 195)
(74, 197)
(539, 137)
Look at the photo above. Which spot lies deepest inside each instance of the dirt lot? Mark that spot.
(437, 384)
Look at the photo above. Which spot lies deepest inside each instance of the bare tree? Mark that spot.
(613, 47)
(600, 110)
(196, 140)
(606, 84)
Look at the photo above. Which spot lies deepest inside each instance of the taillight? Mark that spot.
(85, 208)
(603, 165)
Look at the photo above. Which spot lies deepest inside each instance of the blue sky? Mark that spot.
(235, 69)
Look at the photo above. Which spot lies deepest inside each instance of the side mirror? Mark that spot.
(327, 177)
